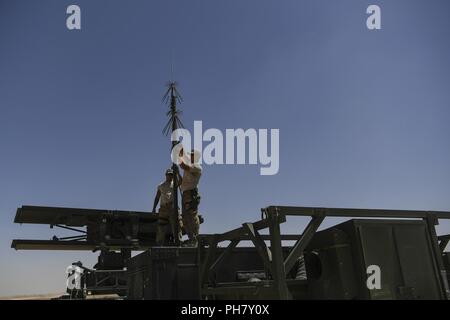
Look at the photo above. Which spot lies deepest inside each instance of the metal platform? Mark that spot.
(278, 265)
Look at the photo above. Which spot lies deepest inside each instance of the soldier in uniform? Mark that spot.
(192, 172)
(166, 217)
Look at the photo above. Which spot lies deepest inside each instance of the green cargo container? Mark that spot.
(337, 260)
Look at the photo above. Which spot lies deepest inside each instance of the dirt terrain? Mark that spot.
(33, 297)
(56, 295)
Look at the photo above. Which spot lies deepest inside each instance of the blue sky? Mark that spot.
(363, 115)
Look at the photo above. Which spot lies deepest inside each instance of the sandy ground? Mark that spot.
(33, 297)
(56, 295)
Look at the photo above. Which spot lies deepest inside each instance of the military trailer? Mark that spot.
(113, 234)
(329, 264)
(400, 247)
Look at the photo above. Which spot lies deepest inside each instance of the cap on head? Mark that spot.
(169, 172)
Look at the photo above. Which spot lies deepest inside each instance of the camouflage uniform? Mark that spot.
(166, 217)
(190, 201)
(191, 222)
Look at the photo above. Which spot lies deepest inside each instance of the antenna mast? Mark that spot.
(171, 97)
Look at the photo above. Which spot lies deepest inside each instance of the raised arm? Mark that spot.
(183, 165)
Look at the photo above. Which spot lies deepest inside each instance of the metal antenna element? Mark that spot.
(171, 66)
(171, 97)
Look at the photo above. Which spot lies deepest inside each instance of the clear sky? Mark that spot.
(363, 115)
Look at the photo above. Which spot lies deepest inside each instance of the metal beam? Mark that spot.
(301, 244)
(443, 241)
(278, 272)
(74, 238)
(68, 228)
(431, 222)
(74, 217)
(266, 237)
(76, 245)
(349, 212)
(236, 233)
(232, 234)
(260, 245)
(208, 259)
(224, 254)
